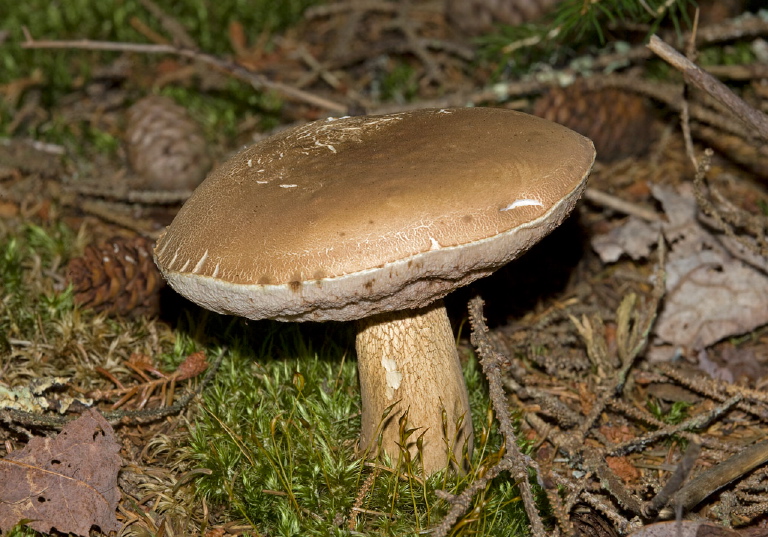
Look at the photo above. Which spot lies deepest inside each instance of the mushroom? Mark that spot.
(376, 219)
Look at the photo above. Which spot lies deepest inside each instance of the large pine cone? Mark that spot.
(618, 122)
(118, 277)
(474, 17)
(166, 146)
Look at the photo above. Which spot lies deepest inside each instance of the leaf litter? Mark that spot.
(710, 293)
(67, 482)
(606, 334)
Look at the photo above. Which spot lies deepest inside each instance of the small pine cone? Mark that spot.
(166, 146)
(118, 277)
(618, 122)
(475, 17)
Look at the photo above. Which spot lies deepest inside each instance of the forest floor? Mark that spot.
(631, 343)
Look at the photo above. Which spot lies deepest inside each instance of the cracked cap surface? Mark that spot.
(344, 218)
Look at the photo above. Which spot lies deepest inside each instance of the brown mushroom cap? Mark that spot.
(344, 218)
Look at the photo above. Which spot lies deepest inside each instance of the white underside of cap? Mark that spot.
(413, 282)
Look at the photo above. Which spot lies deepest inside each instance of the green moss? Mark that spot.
(278, 427)
(278, 438)
(60, 71)
(400, 84)
(206, 22)
(21, 531)
(28, 302)
(736, 54)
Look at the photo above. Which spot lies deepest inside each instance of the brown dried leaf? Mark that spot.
(618, 434)
(192, 366)
(67, 482)
(711, 294)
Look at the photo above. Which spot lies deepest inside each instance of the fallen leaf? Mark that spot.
(634, 238)
(733, 364)
(67, 482)
(192, 366)
(710, 293)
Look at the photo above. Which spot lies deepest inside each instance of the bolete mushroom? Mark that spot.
(376, 219)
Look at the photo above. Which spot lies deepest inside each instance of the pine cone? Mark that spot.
(618, 122)
(166, 146)
(118, 277)
(474, 17)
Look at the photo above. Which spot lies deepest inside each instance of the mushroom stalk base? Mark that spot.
(409, 359)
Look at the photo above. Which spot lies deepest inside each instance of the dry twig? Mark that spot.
(715, 478)
(612, 202)
(126, 416)
(726, 217)
(180, 35)
(513, 460)
(709, 84)
(256, 80)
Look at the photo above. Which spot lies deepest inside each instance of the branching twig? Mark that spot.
(675, 482)
(685, 121)
(256, 80)
(180, 35)
(513, 461)
(136, 416)
(642, 416)
(460, 503)
(718, 390)
(713, 479)
(615, 203)
(699, 421)
(727, 216)
(709, 84)
(610, 482)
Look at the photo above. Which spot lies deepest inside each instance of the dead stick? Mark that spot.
(490, 361)
(675, 481)
(709, 84)
(617, 204)
(256, 80)
(717, 477)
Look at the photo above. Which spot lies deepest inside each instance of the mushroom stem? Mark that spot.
(409, 358)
